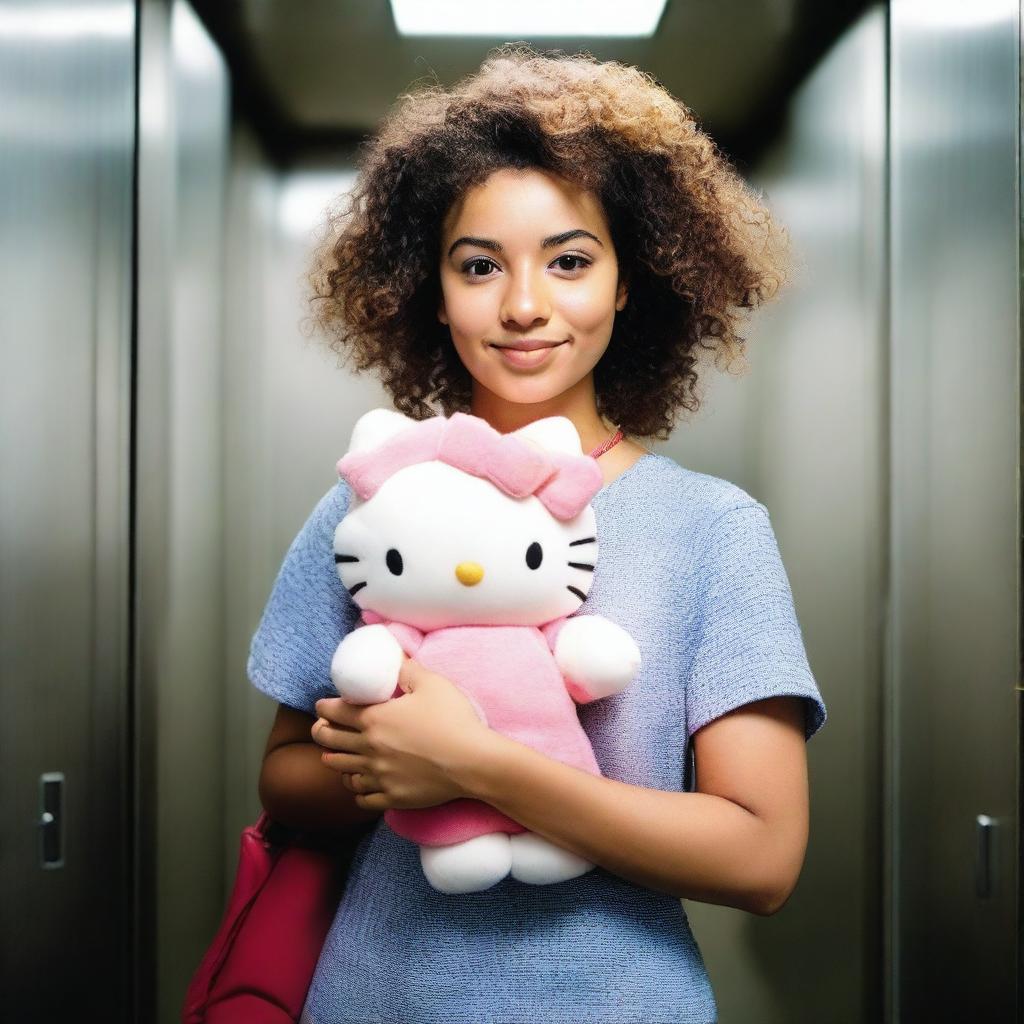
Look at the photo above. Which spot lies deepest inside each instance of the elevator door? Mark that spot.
(67, 119)
(955, 551)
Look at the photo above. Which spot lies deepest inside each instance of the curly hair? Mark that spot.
(695, 244)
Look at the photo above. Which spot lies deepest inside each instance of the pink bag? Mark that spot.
(259, 966)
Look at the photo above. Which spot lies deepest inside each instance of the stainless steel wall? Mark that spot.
(891, 478)
(804, 431)
(879, 424)
(252, 275)
(67, 128)
(182, 724)
(289, 411)
(955, 554)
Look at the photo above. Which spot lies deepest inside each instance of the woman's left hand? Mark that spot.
(408, 751)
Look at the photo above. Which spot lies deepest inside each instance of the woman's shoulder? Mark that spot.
(664, 485)
(320, 523)
(332, 506)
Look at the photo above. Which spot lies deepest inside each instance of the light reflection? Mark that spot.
(528, 18)
(304, 199)
(193, 49)
(942, 15)
(67, 24)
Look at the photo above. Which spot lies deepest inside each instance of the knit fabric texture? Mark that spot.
(690, 568)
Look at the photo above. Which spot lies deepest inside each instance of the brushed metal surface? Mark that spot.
(67, 93)
(955, 407)
(805, 433)
(182, 718)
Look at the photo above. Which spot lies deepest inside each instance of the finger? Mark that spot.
(410, 674)
(334, 738)
(364, 782)
(344, 762)
(339, 711)
(373, 801)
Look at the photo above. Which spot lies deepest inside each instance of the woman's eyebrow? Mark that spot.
(547, 243)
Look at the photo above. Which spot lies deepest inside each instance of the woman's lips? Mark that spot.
(527, 358)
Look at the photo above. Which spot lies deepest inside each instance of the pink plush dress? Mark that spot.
(511, 675)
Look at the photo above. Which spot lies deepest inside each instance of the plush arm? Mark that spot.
(596, 657)
(366, 664)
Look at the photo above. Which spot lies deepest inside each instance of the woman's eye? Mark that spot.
(477, 262)
(570, 263)
(394, 561)
(578, 259)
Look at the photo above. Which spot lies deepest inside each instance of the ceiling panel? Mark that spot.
(315, 72)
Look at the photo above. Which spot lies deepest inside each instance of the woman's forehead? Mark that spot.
(524, 203)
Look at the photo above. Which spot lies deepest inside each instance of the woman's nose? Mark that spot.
(526, 300)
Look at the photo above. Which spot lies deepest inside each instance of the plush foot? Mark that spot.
(539, 862)
(471, 866)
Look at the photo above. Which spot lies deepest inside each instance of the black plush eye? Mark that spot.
(534, 555)
(394, 560)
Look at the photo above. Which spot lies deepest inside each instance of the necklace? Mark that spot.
(610, 443)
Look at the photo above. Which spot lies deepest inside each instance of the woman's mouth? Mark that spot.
(527, 355)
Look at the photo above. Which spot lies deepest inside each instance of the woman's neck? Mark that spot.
(578, 404)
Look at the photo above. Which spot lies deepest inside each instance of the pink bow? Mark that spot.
(564, 483)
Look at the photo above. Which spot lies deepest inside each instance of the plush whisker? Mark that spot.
(355, 590)
(345, 558)
(578, 593)
(584, 540)
(582, 565)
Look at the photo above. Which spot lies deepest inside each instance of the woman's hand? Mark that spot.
(408, 751)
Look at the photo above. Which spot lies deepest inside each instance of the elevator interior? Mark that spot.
(167, 425)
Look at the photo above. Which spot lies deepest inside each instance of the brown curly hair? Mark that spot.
(695, 244)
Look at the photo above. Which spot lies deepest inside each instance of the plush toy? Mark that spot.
(469, 550)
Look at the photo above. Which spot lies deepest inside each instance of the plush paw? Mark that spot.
(470, 866)
(537, 861)
(366, 664)
(596, 657)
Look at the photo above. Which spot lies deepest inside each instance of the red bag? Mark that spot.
(261, 961)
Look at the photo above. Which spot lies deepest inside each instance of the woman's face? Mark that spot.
(529, 284)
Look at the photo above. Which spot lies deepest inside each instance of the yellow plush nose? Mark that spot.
(469, 573)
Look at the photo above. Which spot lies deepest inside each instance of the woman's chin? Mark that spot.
(529, 391)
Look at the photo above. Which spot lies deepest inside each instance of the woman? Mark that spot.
(554, 236)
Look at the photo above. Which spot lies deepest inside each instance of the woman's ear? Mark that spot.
(621, 294)
(442, 314)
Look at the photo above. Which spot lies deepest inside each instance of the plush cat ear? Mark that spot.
(554, 433)
(375, 427)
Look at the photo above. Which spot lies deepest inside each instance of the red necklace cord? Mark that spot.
(610, 443)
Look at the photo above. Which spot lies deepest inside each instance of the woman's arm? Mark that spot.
(738, 841)
(296, 788)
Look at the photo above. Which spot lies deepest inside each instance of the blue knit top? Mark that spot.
(690, 568)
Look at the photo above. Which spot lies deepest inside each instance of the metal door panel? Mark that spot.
(955, 514)
(67, 97)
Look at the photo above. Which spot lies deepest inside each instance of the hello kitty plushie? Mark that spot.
(468, 550)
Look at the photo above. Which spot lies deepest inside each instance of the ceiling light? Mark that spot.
(528, 18)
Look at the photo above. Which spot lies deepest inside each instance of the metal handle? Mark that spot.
(984, 872)
(51, 820)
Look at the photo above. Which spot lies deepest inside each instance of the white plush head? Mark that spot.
(437, 545)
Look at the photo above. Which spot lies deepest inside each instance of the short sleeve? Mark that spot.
(307, 615)
(748, 642)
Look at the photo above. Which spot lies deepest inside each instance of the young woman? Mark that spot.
(554, 236)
